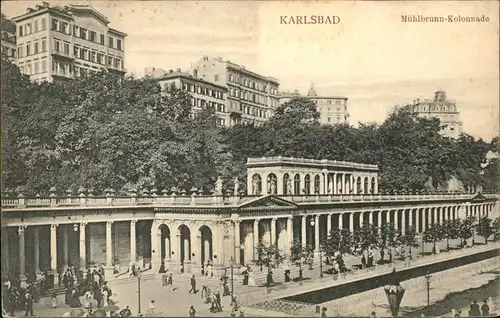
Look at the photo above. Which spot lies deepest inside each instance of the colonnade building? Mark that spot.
(182, 231)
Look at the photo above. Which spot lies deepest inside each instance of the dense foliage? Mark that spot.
(99, 132)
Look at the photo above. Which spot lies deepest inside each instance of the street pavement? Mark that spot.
(177, 302)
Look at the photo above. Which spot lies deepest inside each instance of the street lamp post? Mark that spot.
(428, 282)
(231, 262)
(139, 292)
(394, 292)
(320, 261)
(312, 232)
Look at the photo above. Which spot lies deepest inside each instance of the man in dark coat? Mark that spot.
(29, 304)
(474, 309)
(193, 285)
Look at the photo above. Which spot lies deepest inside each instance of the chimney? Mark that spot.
(29, 10)
(179, 70)
(170, 71)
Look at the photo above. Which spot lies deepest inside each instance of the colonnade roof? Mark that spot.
(313, 163)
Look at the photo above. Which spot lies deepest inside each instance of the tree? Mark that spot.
(496, 226)
(271, 257)
(410, 238)
(340, 241)
(451, 231)
(433, 234)
(388, 239)
(366, 237)
(466, 229)
(484, 228)
(301, 255)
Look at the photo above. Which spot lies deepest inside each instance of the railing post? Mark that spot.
(21, 202)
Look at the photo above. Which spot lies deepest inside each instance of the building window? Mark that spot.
(55, 25)
(110, 42)
(119, 44)
(216, 77)
(36, 25)
(66, 48)
(44, 45)
(28, 49)
(56, 46)
(42, 24)
(101, 37)
(329, 119)
(20, 31)
(37, 67)
(28, 28)
(44, 66)
(92, 36)
(35, 47)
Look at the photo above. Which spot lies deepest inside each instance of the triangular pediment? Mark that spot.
(478, 198)
(268, 201)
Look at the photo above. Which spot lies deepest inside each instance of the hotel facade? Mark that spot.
(203, 94)
(251, 97)
(442, 108)
(66, 42)
(332, 109)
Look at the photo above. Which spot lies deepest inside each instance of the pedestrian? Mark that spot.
(192, 311)
(370, 259)
(373, 314)
(203, 291)
(53, 300)
(126, 313)
(485, 309)
(218, 301)
(226, 289)
(363, 261)
(170, 281)
(474, 309)
(164, 280)
(152, 307)
(242, 314)
(323, 312)
(193, 285)
(29, 304)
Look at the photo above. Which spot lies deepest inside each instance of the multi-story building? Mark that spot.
(66, 42)
(8, 42)
(251, 97)
(203, 94)
(332, 109)
(442, 108)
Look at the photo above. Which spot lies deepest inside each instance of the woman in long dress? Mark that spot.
(53, 300)
(251, 279)
(105, 298)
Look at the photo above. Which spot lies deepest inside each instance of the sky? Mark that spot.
(371, 57)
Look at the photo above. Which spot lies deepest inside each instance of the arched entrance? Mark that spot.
(296, 184)
(206, 244)
(366, 186)
(358, 185)
(184, 245)
(307, 184)
(166, 244)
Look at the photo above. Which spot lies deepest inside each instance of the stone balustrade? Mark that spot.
(215, 200)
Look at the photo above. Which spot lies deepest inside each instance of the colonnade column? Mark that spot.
(410, 217)
(5, 250)
(303, 236)
(255, 238)
(133, 244)
(108, 270)
(64, 229)
(355, 185)
(395, 213)
(343, 184)
(273, 232)
(53, 252)
(289, 234)
(328, 224)
(334, 183)
(403, 221)
(36, 249)
(83, 254)
(197, 245)
(361, 219)
(322, 177)
(417, 221)
(370, 217)
(22, 260)
(379, 219)
(341, 221)
(351, 222)
(316, 233)
(237, 242)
